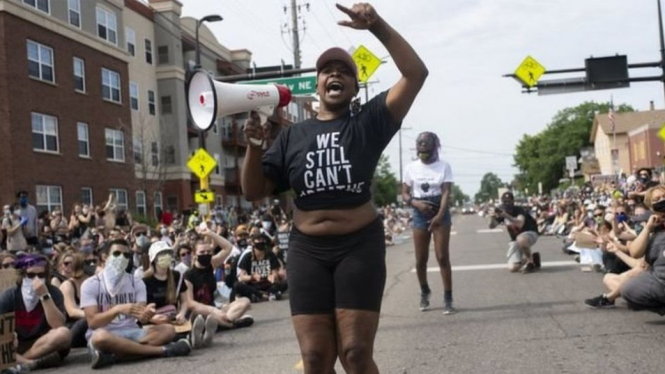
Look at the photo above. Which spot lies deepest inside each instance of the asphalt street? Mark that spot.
(507, 323)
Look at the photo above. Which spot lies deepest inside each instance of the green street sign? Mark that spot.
(297, 85)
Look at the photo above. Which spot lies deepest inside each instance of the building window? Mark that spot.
(166, 105)
(107, 27)
(134, 95)
(163, 54)
(138, 151)
(79, 74)
(74, 12)
(43, 5)
(154, 154)
(130, 35)
(44, 133)
(148, 51)
(158, 204)
(111, 85)
(83, 139)
(151, 102)
(140, 203)
(40, 61)
(49, 198)
(120, 197)
(170, 155)
(214, 127)
(115, 145)
(86, 196)
(217, 168)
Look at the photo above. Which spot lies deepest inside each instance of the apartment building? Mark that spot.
(64, 95)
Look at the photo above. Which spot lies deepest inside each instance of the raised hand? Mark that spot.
(362, 15)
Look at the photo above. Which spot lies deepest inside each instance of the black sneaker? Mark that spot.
(177, 349)
(99, 359)
(529, 268)
(244, 321)
(536, 259)
(424, 301)
(448, 309)
(49, 361)
(600, 302)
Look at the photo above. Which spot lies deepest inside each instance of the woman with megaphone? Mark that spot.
(337, 269)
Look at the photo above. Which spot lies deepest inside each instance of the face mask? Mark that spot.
(48, 251)
(30, 298)
(242, 243)
(204, 260)
(89, 270)
(114, 272)
(599, 220)
(23, 201)
(424, 156)
(659, 207)
(589, 214)
(164, 232)
(266, 225)
(8, 212)
(164, 261)
(85, 211)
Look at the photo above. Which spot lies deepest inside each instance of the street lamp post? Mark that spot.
(208, 18)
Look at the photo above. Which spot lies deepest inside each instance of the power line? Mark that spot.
(316, 18)
(332, 16)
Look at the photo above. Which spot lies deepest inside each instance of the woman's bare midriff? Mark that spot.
(334, 221)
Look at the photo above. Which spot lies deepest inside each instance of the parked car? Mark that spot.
(468, 209)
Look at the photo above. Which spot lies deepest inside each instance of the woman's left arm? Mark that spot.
(414, 72)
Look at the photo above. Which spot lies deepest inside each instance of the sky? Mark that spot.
(467, 46)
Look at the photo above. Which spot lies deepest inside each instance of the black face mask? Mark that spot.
(204, 260)
(89, 270)
(242, 243)
(659, 207)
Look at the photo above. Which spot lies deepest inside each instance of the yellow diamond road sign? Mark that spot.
(530, 71)
(661, 133)
(367, 63)
(201, 163)
(204, 197)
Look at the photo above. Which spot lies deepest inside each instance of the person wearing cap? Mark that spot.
(258, 272)
(337, 246)
(43, 338)
(523, 231)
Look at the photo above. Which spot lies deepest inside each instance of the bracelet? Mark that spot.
(45, 297)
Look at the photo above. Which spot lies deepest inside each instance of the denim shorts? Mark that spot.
(422, 221)
(133, 334)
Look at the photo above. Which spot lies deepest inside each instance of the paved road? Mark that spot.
(507, 323)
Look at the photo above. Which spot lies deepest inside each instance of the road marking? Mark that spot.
(486, 231)
(550, 264)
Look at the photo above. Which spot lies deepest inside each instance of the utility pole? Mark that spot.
(295, 34)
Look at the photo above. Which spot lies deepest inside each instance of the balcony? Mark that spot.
(231, 177)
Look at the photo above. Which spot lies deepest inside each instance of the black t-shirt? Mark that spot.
(529, 223)
(156, 289)
(261, 267)
(203, 283)
(29, 325)
(331, 163)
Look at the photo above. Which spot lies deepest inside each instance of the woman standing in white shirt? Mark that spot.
(427, 186)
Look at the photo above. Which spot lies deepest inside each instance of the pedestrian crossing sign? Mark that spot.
(661, 133)
(529, 71)
(201, 163)
(202, 197)
(366, 62)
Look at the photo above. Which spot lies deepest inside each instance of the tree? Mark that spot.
(541, 157)
(457, 197)
(385, 183)
(489, 188)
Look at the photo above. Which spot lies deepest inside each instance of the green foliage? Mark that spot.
(385, 185)
(489, 188)
(457, 197)
(541, 157)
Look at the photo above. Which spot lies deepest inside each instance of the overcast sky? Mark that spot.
(467, 45)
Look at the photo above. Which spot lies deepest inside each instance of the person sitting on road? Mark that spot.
(113, 302)
(43, 339)
(71, 291)
(201, 283)
(63, 268)
(258, 272)
(523, 232)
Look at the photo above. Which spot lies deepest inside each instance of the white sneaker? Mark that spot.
(196, 336)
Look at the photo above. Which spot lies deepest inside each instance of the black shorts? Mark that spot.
(337, 271)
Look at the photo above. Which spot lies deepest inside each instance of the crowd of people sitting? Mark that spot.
(617, 228)
(99, 280)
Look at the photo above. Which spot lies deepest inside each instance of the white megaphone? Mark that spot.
(208, 99)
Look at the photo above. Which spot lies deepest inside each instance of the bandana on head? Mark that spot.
(29, 261)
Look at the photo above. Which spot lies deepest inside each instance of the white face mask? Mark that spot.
(164, 232)
(266, 225)
(8, 212)
(30, 299)
(114, 272)
(165, 261)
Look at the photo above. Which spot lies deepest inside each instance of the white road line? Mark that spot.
(487, 231)
(550, 264)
